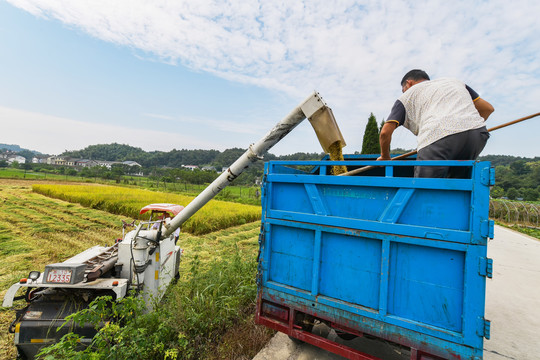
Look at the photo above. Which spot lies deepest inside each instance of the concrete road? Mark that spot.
(512, 305)
(513, 297)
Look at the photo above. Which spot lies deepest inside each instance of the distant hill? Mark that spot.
(506, 160)
(17, 148)
(200, 157)
(174, 158)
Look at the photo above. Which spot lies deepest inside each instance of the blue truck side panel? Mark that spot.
(400, 258)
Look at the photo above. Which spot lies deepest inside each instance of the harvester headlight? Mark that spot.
(34, 275)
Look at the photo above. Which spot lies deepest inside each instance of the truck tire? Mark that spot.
(345, 335)
(306, 322)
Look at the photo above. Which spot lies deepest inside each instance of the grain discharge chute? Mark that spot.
(145, 260)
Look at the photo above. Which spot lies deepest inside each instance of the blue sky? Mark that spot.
(219, 74)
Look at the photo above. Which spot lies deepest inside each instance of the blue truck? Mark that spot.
(381, 254)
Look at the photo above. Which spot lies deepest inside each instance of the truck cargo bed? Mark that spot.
(384, 254)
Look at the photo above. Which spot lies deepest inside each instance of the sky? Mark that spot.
(208, 74)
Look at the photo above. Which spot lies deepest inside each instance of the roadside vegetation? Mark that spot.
(207, 314)
(533, 232)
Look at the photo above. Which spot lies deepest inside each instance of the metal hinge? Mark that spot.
(484, 328)
(485, 267)
(488, 176)
(487, 228)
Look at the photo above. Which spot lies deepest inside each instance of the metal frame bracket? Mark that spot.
(485, 267)
(488, 176)
(484, 328)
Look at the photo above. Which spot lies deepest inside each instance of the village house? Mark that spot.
(12, 158)
(190, 167)
(39, 160)
(85, 163)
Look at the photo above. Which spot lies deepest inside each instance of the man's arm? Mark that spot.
(395, 119)
(484, 108)
(385, 138)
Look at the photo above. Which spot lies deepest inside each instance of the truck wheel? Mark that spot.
(306, 322)
(345, 335)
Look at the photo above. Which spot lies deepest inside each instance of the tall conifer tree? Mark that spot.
(370, 144)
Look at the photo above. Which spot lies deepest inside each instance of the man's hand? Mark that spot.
(384, 139)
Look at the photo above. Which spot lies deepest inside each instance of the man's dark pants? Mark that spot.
(465, 145)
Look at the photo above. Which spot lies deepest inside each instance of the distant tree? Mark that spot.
(497, 192)
(15, 164)
(227, 157)
(512, 193)
(3, 164)
(520, 167)
(530, 194)
(27, 154)
(370, 143)
(26, 166)
(535, 176)
(399, 151)
(118, 170)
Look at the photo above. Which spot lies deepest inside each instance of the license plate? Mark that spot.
(59, 276)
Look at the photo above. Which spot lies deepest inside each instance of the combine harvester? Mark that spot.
(146, 259)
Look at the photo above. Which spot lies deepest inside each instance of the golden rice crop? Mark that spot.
(215, 215)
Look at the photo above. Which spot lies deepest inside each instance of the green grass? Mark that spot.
(10, 173)
(533, 232)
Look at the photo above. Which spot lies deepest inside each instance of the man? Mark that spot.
(162, 219)
(447, 117)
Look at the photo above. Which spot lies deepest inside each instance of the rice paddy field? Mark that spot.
(42, 223)
(216, 215)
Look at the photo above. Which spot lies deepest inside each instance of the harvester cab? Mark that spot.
(161, 215)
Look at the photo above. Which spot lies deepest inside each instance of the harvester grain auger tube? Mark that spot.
(314, 108)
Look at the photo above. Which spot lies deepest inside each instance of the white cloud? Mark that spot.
(54, 135)
(353, 52)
